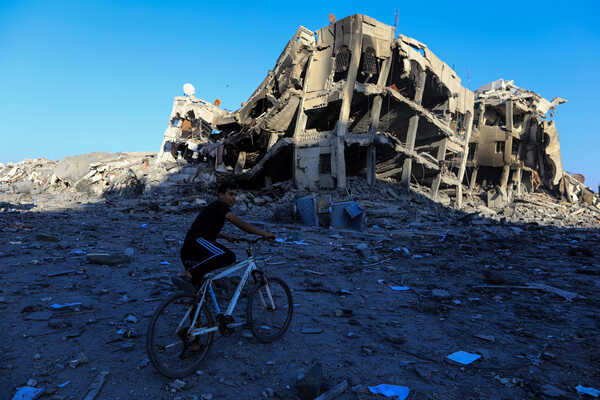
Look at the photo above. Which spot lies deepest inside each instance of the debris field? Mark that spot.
(518, 286)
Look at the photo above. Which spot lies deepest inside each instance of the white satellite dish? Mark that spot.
(189, 89)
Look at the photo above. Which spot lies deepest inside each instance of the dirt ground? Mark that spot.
(535, 341)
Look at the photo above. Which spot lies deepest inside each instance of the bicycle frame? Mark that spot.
(206, 287)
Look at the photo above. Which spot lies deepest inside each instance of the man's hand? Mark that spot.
(268, 235)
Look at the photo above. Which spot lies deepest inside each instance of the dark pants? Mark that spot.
(202, 256)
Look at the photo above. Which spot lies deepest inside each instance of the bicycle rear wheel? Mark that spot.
(169, 349)
(270, 309)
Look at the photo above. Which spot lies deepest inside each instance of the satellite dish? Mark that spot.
(189, 89)
(217, 102)
(331, 18)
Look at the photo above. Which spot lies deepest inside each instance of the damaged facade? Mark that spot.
(351, 99)
(515, 145)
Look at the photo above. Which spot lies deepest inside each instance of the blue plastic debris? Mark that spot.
(353, 210)
(400, 288)
(347, 214)
(462, 357)
(27, 393)
(61, 306)
(587, 390)
(394, 391)
(62, 385)
(307, 208)
(165, 263)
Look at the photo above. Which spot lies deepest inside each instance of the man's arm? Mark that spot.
(243, 225)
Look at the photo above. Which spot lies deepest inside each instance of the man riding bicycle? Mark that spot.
(201, 253)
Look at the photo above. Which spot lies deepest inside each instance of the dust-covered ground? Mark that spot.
(523, 295)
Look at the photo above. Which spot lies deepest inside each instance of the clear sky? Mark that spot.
(83, 76)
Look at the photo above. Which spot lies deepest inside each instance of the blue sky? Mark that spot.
(83, 76)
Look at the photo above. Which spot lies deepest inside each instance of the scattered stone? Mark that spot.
(177, 384)
(395, 338)
(127, 346)
(58, 323)
(38, 316)
(311, 331)
(552, 391)
(80, 360)
(487, 338)
(46, 238)
(440, 294)
(108, 259)
(308, 383)
(344, 312)
(96, 386)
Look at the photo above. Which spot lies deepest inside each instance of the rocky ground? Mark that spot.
(517, 286)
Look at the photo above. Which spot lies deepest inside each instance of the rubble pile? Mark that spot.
(89, 177)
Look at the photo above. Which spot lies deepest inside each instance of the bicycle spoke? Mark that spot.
(270, 310)
(170, 350)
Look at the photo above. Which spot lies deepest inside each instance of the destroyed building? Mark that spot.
(354, 98)
(515, 145)
(348, 99)
(514, 138)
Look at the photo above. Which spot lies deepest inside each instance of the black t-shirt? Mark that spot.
(208, 223)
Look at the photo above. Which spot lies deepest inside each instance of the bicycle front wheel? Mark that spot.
(270, 309)
(170, 349)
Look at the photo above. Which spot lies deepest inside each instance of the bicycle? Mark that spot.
(190, 326)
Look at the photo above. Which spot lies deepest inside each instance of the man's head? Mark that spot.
(226, 192)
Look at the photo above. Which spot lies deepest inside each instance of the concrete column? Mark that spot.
(300, 123)
(342, 124)
(468, 122)
(413, 125)
(504, 178)
(241, 162)
(473, 181)
(441, 155)
(509, 128)
(375, 112)
(517, 179)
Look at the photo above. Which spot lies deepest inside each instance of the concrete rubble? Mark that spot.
(462, 249)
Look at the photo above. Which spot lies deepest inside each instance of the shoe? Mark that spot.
(222, 169)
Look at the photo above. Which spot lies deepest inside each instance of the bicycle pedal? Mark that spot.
(224, 320)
